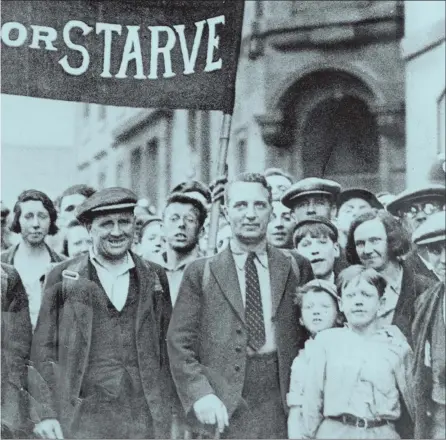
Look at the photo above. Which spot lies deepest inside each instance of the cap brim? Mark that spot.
(290, 200)
(116, 207)
(433, 239)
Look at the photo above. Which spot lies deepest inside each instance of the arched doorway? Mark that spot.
(334, 131)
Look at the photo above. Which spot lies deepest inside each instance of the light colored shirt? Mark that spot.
(115, 279)
(262, 266)
(391, 295)
(348, 373)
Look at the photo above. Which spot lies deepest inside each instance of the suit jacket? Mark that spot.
(412, 286)
(426, 307)
(207, 336)
(16, 344)
(62, 338)
(420, 268)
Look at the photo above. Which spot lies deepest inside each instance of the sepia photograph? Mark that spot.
(223, 219)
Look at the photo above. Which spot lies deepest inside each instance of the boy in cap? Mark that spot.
(99, 346)
(428, 332)
(316, 238)
(413, 207)
(312, 196)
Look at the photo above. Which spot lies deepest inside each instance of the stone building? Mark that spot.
(320, 92)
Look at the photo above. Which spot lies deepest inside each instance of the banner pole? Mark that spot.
(222, 169)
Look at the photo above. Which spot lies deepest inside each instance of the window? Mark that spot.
(192, 129)
(152, 171)
(101, 179)
(102, 112)
(135, 167)
(86, 110)
(241, 155)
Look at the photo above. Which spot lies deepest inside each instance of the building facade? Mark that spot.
(424, 52)
(320, 92)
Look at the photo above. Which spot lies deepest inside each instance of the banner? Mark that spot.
(140, 53)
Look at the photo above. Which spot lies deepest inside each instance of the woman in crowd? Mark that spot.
(357, 374)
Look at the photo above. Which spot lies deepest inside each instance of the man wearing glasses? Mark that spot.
(413, 207)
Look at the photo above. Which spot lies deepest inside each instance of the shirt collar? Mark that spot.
(395, 284)
(120, 269)
(191, 257)
(240, 255)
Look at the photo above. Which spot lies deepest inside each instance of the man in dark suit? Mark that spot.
(234, 331)
(16, 335)
(101, 368)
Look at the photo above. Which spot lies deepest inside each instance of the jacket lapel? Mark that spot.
(79, 293)
(279, 269)
(223, 268)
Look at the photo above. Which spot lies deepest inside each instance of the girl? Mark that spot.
(318, 301)
(356, 374)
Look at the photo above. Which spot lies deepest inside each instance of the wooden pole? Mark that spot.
(221, 170)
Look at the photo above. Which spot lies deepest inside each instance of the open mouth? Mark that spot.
(180, 236)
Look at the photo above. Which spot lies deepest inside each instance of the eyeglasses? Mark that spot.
(428, 208)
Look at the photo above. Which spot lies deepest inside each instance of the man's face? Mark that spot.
(34, 222)
(417, 213)
(151, 240)
(349, 210)
(319, 311)
(371, 244)
(181, 226)
(112, 234)
(436, 253)
(321, 252)
(280, 228)
(68, 206)
(360, 303)
(309, 206)
(278, 184)
(79, 241)
(248, 211)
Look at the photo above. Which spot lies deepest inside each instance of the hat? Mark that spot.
(433, 191)
(326, 286)
(432, 230)
(314, 220)
(106, 200)
(359, 193)
(310, 186)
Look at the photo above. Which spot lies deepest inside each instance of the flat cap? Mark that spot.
(432, 230)
(105, 200)
(323, 285)
(316, 219)
(308, 187)
(433, 191)
(359, 193)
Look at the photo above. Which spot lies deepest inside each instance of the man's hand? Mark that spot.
(49, 428)
(210, 410)
(217, 188)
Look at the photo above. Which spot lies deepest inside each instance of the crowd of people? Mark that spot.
(320, 314)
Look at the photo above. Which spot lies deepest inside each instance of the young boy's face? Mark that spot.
(360, 303)
(319, 311)
(322, 253)
(436, 253)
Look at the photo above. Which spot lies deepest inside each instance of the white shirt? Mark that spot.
(114, 279)
(261, 263)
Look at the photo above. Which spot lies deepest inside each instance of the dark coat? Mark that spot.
(16, 344)
(412, 286)
(414, 260)
(426, 307)
(207, 337)
(62, 337)
(8, 255)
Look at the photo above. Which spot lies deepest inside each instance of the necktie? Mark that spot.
(253, 308)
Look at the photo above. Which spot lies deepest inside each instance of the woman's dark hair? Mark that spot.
(398, 240)
(359, 272)
(37, 196)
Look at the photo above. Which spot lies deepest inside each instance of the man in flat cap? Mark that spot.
(413, 207)
(312, 196)
(99, 345)
(428, 332)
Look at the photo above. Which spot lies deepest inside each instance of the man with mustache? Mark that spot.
(234, 331)
(99, 345)
(414, 206)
